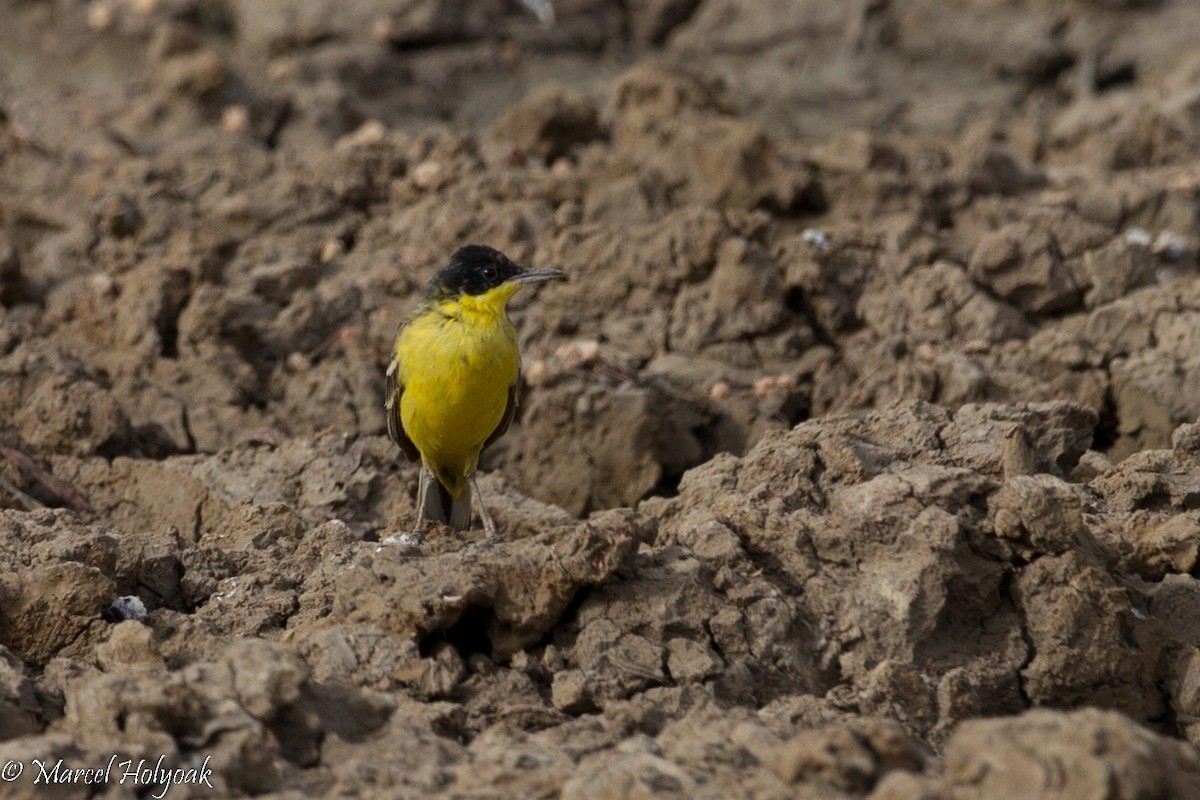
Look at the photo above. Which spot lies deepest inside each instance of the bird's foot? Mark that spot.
(492, 535)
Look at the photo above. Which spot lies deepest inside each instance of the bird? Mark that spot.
(453, 379)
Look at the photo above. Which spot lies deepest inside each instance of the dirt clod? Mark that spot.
(855, 458)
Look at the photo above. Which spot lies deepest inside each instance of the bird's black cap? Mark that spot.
(473, 269)
(477, 269)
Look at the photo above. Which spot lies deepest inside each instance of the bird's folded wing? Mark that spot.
(510, 411)
(395, 389)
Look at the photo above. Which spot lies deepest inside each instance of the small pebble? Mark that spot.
(103, 284)
(816, 238)
(1170, 246)
(331, 250)
(127, 607)
(297, 362)
(235, 119)
(427, 175)
(370, 132)
(764, 385)
(588, 349)
(1138, 237)
(100, 15)
(538, 373)
(578, 353)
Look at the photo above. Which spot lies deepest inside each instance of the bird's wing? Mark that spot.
(510, 411)
(395, 389)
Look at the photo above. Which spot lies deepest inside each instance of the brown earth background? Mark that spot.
(855, 459)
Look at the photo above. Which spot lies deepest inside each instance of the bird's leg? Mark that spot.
(489, 524)
(422, 493)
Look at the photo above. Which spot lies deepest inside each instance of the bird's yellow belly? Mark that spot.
(456, 374)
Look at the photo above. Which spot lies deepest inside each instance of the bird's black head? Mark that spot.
(473, 269)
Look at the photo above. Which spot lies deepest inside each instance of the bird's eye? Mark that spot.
(489, 273)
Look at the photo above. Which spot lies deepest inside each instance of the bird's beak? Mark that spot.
(537, 275)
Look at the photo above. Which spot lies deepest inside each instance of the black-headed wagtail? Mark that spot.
(452, 382)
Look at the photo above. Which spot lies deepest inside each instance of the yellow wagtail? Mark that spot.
(452, 383)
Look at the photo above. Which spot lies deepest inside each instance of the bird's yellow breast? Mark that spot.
(456, 360)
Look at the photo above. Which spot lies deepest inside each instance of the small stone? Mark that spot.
(297, 362)
(538, 373)
(720, 390)
(1138, 237)
(816, 238)
(427, 175)
(764, 385)
(370, 132)
(578, 353)
(100, 15)
(589, 350)
(127, 607)
(235, 119)
(331, 250)
(1170, 247)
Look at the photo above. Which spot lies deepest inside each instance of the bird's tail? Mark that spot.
(441, 506)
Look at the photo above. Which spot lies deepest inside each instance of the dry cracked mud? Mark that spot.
(857, 458)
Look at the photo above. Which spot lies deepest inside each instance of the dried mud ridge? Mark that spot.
(857, 459)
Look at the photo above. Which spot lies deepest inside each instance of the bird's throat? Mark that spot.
(479, 307)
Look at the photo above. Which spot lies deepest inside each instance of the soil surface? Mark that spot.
(857, 457)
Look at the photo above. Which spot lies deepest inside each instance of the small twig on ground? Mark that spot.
(30, 503)
(66, 494)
